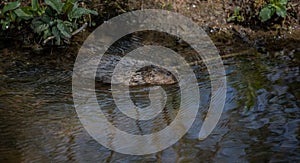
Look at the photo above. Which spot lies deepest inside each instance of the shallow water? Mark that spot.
(260, 120)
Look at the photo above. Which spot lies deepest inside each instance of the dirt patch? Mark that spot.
(212, 16)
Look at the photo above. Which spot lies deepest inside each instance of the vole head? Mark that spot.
(159, 76)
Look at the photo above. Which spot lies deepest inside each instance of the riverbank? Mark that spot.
(211, 15)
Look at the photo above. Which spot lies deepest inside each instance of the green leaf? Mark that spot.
(46, 19)
(27, 9)
(55, 4)
(22, 14)
(41, 10)
(265, 14)
(39, 26)
(280, 10)
(64, 30)
(57, 42)
(273, 1)
(231, 19)
(68, 6)
(55, 32)
(35, 5)
(240, 18)
(51, 23)
(237, 11)
(46, 33)
(13, 17)
(10, 6)
(283, 2)
(49, 12)
(5, 24)
(281, 13)
(36, 22)
(79, 12)
(74, 25)
(68, 24)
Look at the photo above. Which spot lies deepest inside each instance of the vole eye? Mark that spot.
(168, 74)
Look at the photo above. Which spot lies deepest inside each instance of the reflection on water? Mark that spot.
(140, 98)
(260, 122)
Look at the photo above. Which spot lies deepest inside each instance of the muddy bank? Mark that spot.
(212, 16)
(214, 13)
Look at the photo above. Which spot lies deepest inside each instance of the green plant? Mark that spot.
(8, 14)
(12, 13)
(29, 12)
(60, 20)
(52, 19)
(236, 16)
(275, 6)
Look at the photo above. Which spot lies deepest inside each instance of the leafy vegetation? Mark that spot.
(275, 6)
(236, 16)
(8, 14)
(52, 19)
(263, 13)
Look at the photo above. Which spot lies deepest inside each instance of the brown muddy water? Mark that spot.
(260, 121)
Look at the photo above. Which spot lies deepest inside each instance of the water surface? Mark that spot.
(260, 121)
